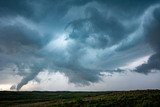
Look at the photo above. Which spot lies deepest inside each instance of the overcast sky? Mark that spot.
(79, 45)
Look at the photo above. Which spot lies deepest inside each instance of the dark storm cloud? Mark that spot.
(19, 45)
(152, 31)
(14, 7)
(96, 30)
(24, 36)
(152, 64)
(38, 10)
(104, 36)
(24, 7)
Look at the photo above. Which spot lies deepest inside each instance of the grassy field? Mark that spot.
(138, 98)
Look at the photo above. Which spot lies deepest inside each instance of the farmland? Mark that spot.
(136, 98)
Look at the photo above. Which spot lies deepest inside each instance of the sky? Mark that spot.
(79, 45)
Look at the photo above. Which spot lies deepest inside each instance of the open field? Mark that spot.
(138, 98)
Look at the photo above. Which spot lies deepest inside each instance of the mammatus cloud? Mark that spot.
(35, 37)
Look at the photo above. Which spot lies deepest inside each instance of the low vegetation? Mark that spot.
(138, 98)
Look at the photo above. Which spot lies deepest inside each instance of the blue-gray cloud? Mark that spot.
(48, 35)
(153, 38)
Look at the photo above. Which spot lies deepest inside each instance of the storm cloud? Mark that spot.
(153, 38)
(80, 39)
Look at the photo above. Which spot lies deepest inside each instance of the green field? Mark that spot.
(138, 98)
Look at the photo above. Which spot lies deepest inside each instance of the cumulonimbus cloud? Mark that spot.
(81, 48)
(152, 31)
